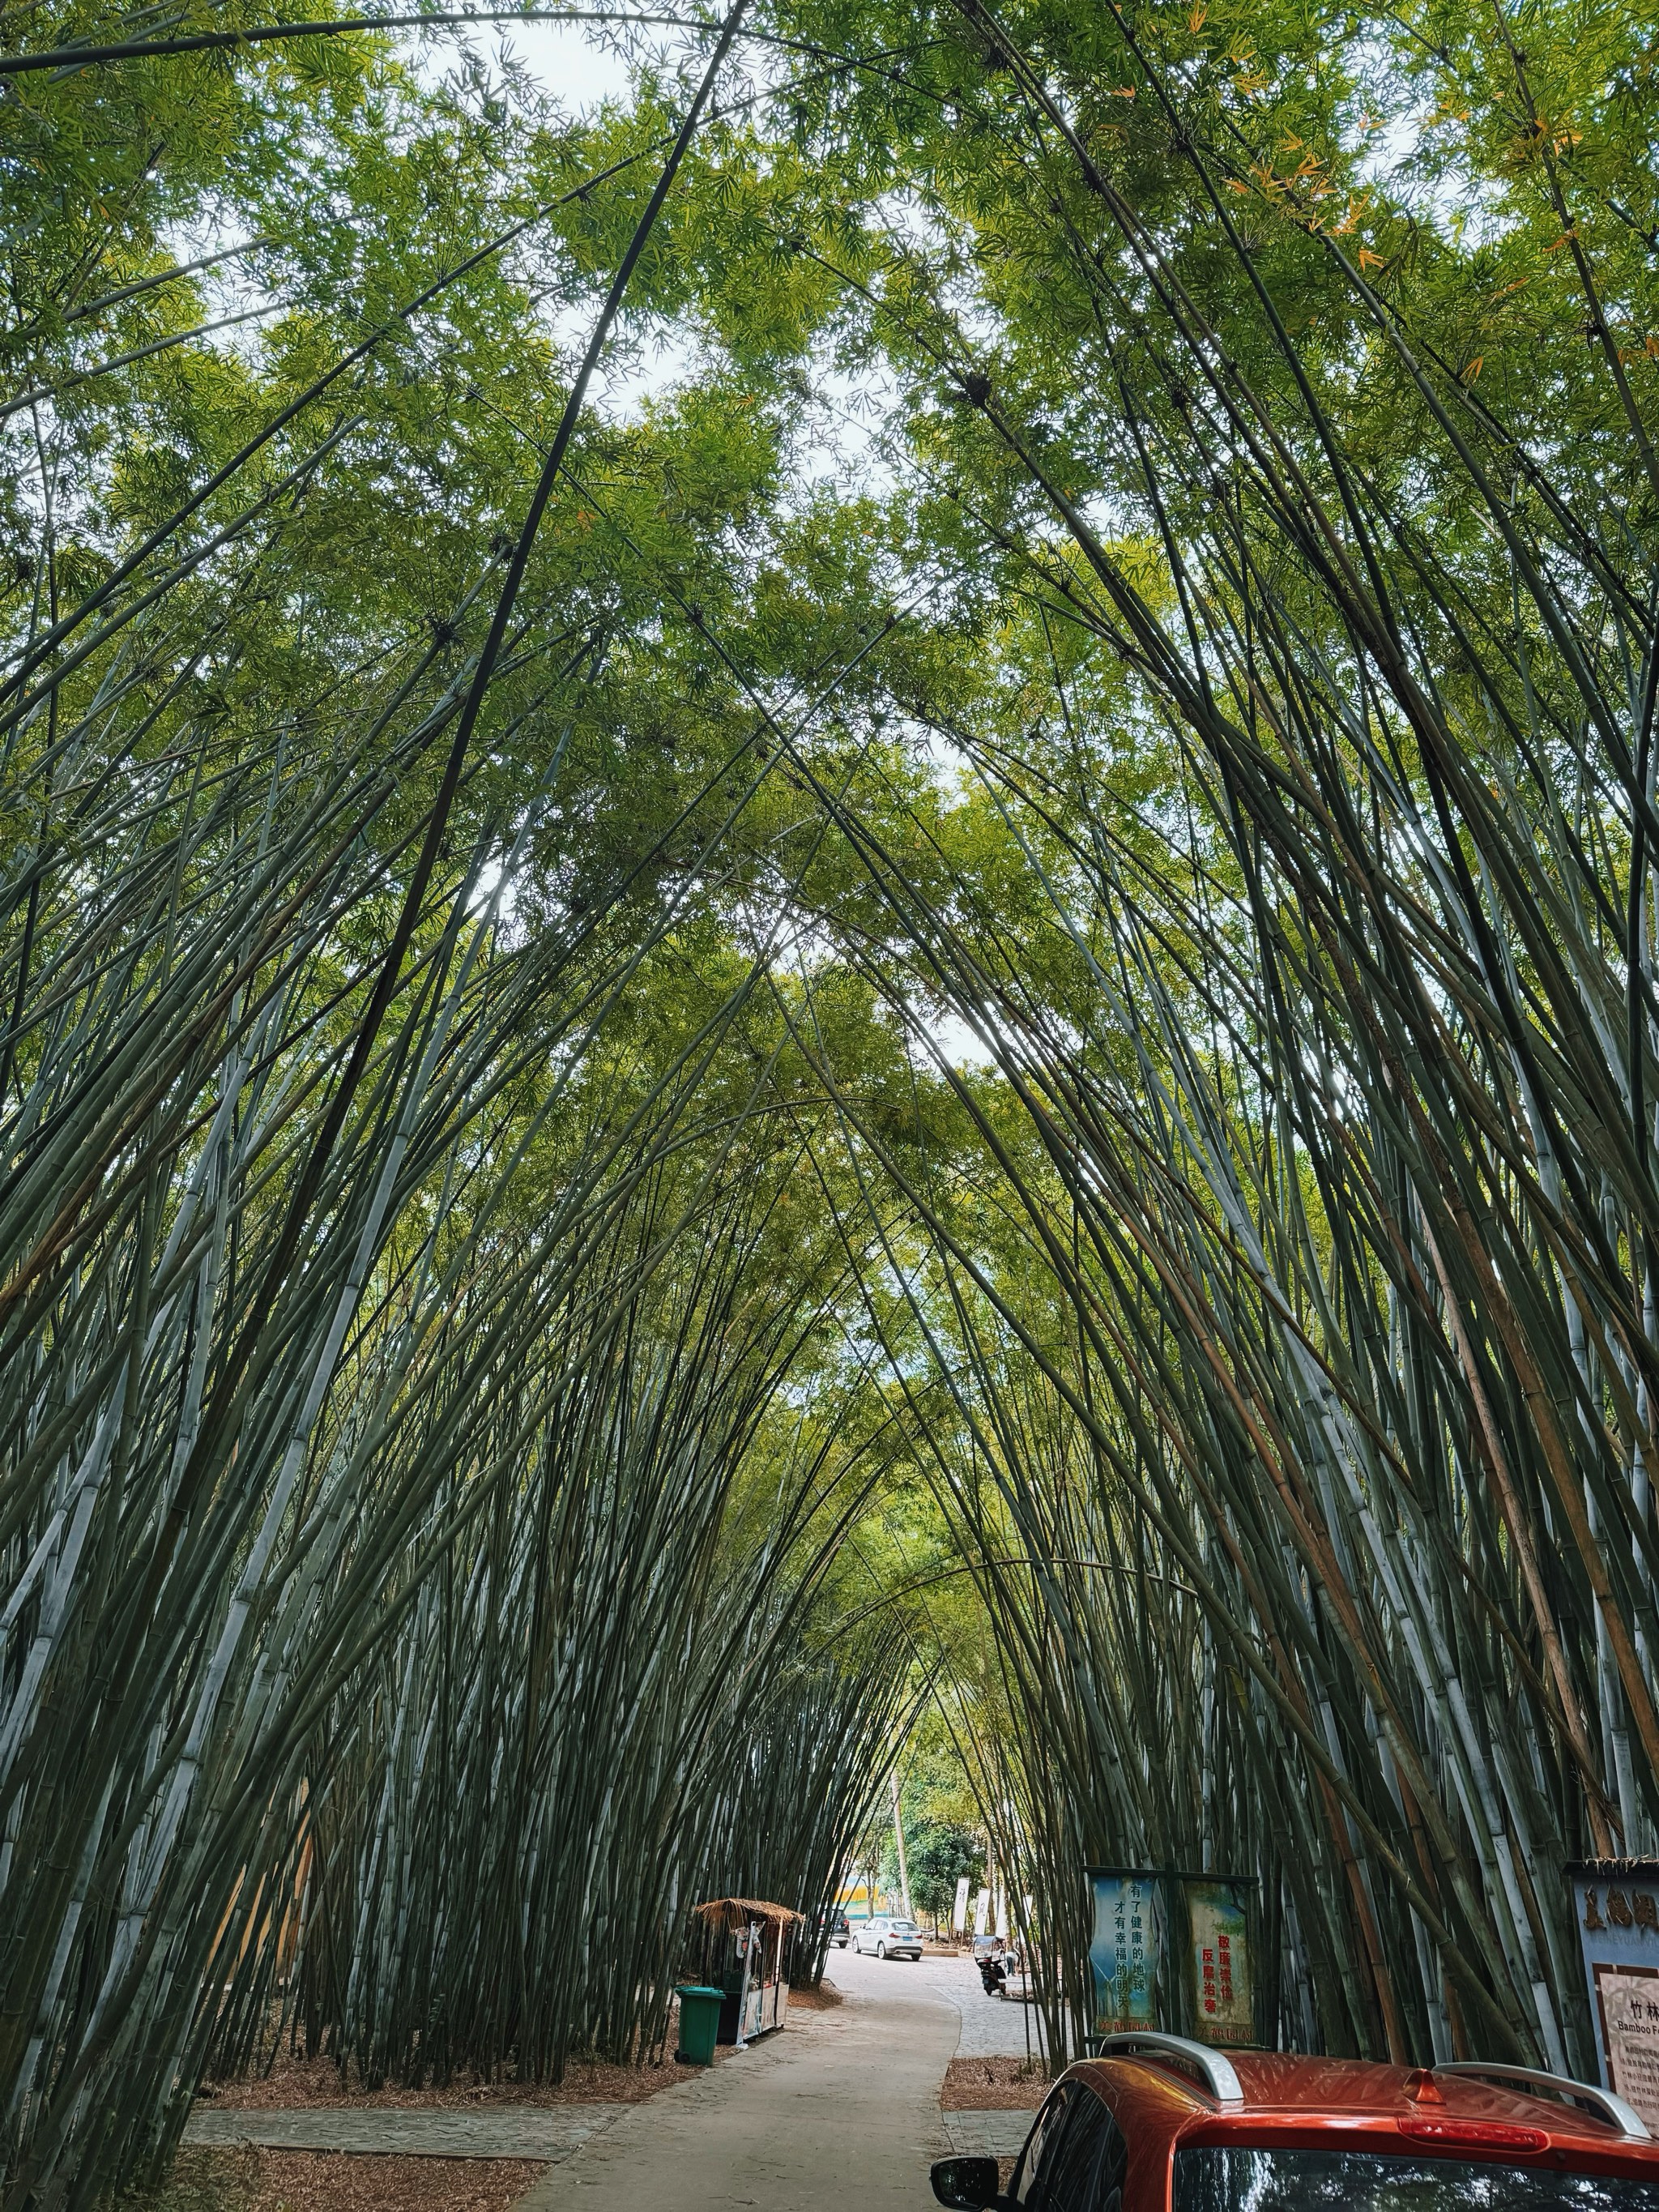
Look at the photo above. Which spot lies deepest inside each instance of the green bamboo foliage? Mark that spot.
(406, 1504)
(596, 1712)
(368, 1478)
(1316, 1379)
(807, 1780)
(344, 1450)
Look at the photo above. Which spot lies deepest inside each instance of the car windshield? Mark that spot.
(1216, 2180)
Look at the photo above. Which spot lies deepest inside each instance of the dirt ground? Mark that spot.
(294, 2083)
(249, 2180)
(992, 2085)
(824, 1998)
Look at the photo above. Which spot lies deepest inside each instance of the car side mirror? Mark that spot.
(967, 2184)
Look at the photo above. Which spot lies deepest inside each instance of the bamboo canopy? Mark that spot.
(491, 1215)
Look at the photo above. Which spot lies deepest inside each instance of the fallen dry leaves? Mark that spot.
(294, 2083)
(246, 2179)
(331, 2181)
(993, 2085)
(824, 1998)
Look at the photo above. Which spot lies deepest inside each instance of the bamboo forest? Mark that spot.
(830, 922)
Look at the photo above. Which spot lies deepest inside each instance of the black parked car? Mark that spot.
(840, 1933)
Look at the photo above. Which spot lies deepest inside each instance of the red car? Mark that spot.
(1157, 2123)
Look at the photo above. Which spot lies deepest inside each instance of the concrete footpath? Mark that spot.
(842, 2104)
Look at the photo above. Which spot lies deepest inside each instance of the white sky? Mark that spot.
(567, 58)
(958, 1042)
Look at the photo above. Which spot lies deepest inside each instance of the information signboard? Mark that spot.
(1223, 1969)
(1175, 1952)
(1126, 1954)
(1616, 1906)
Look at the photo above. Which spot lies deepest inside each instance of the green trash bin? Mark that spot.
(699, 2019)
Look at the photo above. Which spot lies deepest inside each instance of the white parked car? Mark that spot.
(888, 1937)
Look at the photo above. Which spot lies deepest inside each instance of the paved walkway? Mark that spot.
(992, 2027)
(553, 2132)
(987, 2135)
(839, 2106)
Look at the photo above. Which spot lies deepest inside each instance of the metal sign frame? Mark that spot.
(1175, 1950)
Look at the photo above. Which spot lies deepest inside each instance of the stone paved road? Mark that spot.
(987, 2135)
(991, 2027)
(553, 2132)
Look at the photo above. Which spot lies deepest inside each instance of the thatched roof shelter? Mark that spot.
(735, 1913)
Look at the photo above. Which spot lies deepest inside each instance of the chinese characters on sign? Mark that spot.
(1634, 1909)
(1127, 1951)
(1627, 2020)
(1147, 1924)
(1616, 1905)
(1223, 2006)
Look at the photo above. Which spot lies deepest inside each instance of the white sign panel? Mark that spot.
(1616, 1905)
(1627, 2001)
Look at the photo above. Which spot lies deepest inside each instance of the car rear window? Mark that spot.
(1218, 2180)
(1075, 2159)
(902, 1927)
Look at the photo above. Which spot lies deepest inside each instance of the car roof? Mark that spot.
(1289, 2089)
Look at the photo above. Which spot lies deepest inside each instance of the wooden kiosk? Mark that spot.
(744, 1942)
